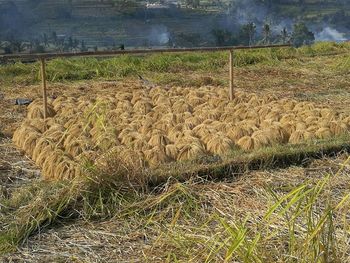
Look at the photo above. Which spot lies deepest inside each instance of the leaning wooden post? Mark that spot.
(231, 76)
(43, 80)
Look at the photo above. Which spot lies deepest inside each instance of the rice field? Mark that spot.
(124, 171)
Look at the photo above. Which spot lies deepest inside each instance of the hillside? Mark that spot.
(108, 23)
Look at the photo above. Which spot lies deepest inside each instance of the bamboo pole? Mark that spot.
(43, 80)
(231, 76)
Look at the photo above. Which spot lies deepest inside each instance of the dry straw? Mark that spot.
(148, 127)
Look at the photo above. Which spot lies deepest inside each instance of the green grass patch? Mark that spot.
(76, 69)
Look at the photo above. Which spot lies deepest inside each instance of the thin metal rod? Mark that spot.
(231, 76)
(135, 51)
(43, 80)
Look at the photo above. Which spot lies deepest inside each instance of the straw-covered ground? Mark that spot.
(298, 213)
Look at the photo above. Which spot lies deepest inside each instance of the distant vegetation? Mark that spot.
(35, 26)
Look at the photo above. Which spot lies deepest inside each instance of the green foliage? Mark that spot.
(302, 35)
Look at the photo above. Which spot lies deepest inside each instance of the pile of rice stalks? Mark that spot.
(149, 127)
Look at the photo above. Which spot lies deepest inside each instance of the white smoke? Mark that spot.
(330, 34)
(159, 35)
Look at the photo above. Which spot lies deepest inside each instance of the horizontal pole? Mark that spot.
(132, 51)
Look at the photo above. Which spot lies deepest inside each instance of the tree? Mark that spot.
(247, 33)
(222, 37)
(45, 40)
(302, 35)
(267, 34)
(83, 46)
(284, 35)
(54, 38)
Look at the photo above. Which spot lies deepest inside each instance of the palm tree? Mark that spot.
(267, 34)
(284, 35)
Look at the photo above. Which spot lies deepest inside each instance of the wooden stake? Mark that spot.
(231, 76)
(43, 80)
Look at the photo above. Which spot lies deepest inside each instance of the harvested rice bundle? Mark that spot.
(45, 149)
(289, 127)
(20, 134)
(143, 106)
(241, 113)
(71, 122)
(266, 123)
(248, 125)
(175, 135)
(323, 133)
(172, 151)
(311, 120)
(236, 133)
(300, 136)
(273, 115)
(68, 111)
(201, 130)
(140, 144)
(124, 105)
(156, 91)
(83, 105)
(37, 111)
(288, 104)
(134, 158)
(163, 125)
(40, 146)
(126, 96)
(214, 102)
(59, 102)
(220, 144)
(208, 135)
(162, 109)
(75, 148)
(312, 128)
(40, 124)
(262, 138)
(218, 125)
(129, 138)
(29, 142)
(156, 156)
(303, 106)
(181, 106)
(76, 129)
(139, 95)
(287, 118)
(180, 118)
(328, 114)
(195, 101)
(277, 134)
(222, 93)
(252, 115)
(300, 126)
(263, 111)
(158, 138)
(246, 143)
(49, 165)
(191, 150)
(211, 114)
(193, 121)
(338, 128)
(254, 101)
(65, 170)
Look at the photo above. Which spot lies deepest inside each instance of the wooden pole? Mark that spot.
(43, 80)
(231, 94)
